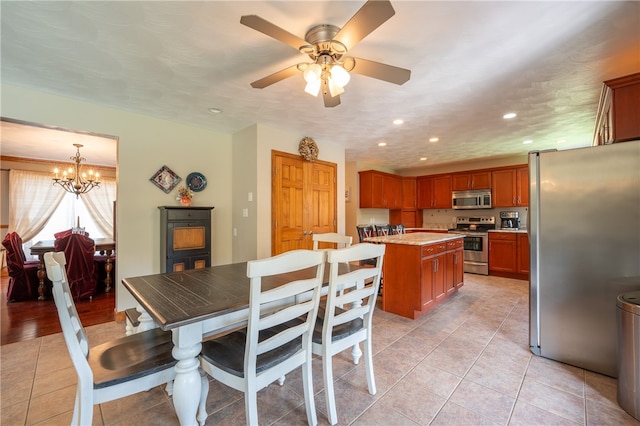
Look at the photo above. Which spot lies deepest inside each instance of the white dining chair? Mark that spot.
(116, 369)
(337, 240)
(277, 338)
(338, 329)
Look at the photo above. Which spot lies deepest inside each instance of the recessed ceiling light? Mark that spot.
(509, 115)
(214, 110)
(423, 158)
(382, 144)
(434, 140)
(398, 121)
(527, 142)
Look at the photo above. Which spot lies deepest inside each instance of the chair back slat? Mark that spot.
(365, 231)
(263, 303)
(334, 239)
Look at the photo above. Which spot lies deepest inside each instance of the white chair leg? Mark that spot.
(146, 322)
(281, 380)
(327, 367)
(356, 353)
(368, 364)
(169, 388)
(202, 409)
(251, 405)
(309, 402)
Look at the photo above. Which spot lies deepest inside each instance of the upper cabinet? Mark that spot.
(474, 180)
(409, 193)
(510, 187)
(434, 192)
(380, 190)
(618, 115)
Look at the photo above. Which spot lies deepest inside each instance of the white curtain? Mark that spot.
(32, 201)
(99, 204)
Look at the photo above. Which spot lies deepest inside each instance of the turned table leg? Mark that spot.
(108, 266)
(41, 274)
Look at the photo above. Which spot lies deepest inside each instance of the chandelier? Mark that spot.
(74, 182)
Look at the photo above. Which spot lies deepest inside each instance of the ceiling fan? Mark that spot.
(326, 46)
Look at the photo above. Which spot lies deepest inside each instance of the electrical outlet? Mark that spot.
(245, 212)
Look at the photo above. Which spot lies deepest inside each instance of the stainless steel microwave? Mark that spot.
(468, 200)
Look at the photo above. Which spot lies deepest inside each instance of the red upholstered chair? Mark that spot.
(23, 274)
(79, 251)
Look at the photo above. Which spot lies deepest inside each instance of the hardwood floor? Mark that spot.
(29, 319)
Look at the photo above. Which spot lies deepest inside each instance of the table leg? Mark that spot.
(187, 385)
(108, 266)
(42, 273)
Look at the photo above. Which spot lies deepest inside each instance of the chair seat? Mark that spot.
(131, 357)
(339, 331)
(227, 352)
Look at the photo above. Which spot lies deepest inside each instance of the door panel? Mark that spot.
(303, 201)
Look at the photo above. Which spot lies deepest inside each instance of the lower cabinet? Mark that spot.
(418, 277)
(509, 254)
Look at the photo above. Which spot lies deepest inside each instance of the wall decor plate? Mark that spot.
(196, 181)
(165, 179)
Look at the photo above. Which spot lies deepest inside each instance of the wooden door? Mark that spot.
(303, 201)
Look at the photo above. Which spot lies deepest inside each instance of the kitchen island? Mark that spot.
(420, 270)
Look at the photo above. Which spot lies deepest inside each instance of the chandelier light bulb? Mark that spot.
(340, 76)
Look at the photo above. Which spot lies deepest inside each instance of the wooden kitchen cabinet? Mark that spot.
(380, 190)
(454, 268)
(618, 113)
(473, 180)
(502, 251)
(434, 192)
(409, 193)
(522, 255)
(409, 218)
(510, 187)
(185, 238)
(416, 277)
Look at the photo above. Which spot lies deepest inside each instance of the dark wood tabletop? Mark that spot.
(41, 247)
(175, 299)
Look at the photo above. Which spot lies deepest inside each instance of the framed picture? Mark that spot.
(165, 179)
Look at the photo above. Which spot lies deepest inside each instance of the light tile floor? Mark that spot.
(465, 363)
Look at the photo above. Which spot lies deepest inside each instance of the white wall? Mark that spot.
(145, 145)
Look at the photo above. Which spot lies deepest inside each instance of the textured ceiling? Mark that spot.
(470, 63)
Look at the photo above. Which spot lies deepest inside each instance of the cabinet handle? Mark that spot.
(514, 201)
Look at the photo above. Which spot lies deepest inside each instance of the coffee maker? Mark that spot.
(509, 220)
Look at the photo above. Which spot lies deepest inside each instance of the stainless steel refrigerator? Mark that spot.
(584, 233)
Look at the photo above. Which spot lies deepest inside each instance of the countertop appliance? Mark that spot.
(476, 241)
(469, 200)
(584, 233)
(509, 220)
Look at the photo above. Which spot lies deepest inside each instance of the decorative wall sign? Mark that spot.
(196, 181)
(165, 179)
(308, 149)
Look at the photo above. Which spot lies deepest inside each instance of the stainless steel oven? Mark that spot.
(476, 242)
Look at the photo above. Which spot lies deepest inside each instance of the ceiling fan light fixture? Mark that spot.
(313, 87)
(340, 76)
(334, 88)
(312, 73)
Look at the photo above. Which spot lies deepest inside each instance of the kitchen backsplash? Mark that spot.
(446, 218)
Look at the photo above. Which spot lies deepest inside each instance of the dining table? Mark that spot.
(103, 245)
(197, 304)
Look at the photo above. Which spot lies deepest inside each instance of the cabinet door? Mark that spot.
(425, 192)
(439, 270)
(449, 271)
(458, 276)
(523, 253)
(442, 192)
(371, 189)
(426, 283)
(481, 180)
(409, 192)
(502, 252)
(460, 181)
(392, 192)
(503, 188)
(522, 186)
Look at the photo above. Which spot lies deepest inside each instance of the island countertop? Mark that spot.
(414, 238)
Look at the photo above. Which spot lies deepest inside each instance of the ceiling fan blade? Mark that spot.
(381, 71)
(275, 77)
(329, 101)
(274, 31)
(370, 16)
